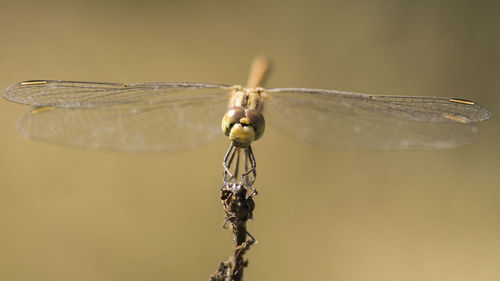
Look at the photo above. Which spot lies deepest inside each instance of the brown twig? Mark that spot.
(238, 206)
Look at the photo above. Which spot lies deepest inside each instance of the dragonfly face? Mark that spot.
(244, 123)
(243, 126)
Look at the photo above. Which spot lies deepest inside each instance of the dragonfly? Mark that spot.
(173, 116)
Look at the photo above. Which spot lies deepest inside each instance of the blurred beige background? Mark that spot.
(76, 214)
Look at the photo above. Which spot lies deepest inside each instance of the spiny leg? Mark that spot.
(232, 166)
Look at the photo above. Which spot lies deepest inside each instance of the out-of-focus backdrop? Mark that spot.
(69, 213)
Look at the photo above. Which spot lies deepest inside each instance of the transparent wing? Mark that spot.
(361, 121)
(75, 94)
(136, 117)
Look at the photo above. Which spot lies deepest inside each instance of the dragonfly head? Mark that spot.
(243, 126)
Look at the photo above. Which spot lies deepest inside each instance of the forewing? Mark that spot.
(361, 121)
(74, 94)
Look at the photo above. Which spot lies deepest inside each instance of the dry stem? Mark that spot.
(238, 207)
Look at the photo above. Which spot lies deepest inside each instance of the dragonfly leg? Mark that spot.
(226, 163)
(248, 177)
(232, 162)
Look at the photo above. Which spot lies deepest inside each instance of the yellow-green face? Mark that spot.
(243, 126)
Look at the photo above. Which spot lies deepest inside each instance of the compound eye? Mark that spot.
(256, 121)
(232, 116)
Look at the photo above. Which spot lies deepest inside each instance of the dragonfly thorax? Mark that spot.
(243, 126)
